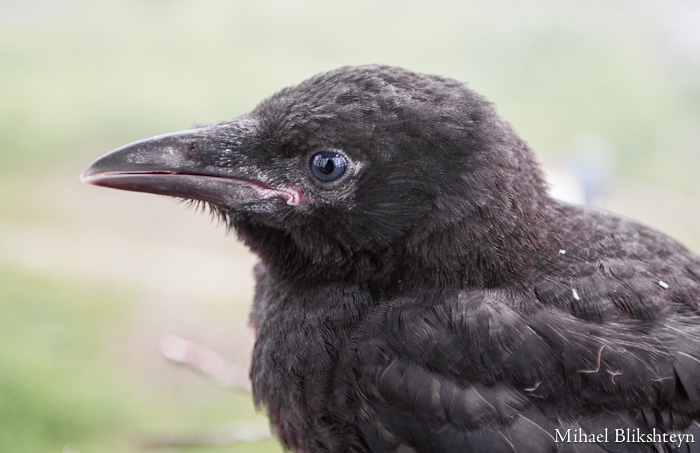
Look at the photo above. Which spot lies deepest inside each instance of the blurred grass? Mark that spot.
(80, 75)
(79, 78)
(60, 384)
(54, 389)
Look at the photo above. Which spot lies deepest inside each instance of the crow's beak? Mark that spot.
(208, 163)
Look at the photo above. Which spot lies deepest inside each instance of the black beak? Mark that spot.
(211, 164)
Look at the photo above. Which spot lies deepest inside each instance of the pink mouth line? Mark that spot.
(290, 194)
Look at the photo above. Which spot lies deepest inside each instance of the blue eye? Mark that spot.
(328, 166)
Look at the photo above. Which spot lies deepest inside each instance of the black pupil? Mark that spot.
(328, 166)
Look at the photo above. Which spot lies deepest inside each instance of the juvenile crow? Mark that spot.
(418, 289)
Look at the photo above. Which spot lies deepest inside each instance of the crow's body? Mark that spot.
(420, 291)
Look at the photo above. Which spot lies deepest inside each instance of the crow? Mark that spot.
(418, 289)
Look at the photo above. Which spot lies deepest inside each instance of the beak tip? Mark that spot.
(90, 176)
(85, 177)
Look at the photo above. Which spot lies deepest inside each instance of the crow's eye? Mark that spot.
(328, 166)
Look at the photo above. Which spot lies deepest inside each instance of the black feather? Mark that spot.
(435, 298)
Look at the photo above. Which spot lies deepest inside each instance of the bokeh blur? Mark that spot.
(93, 280)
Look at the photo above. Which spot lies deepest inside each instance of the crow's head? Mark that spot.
(354, 174)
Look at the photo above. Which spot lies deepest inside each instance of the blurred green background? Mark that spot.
(91, 280)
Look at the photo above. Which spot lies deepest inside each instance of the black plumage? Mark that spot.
(419, 290)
